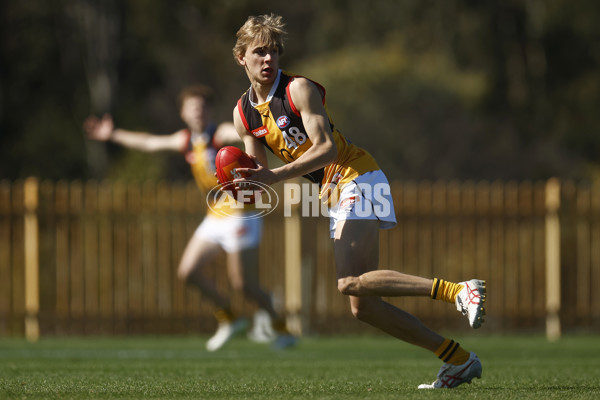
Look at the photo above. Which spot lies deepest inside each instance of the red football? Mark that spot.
(228, 159)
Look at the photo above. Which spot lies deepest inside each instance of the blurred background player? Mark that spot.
(219, 231)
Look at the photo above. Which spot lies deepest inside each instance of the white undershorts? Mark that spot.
(367, 197)
(231, 233)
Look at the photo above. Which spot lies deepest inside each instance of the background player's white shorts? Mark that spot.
(366, 197)
(231, 233)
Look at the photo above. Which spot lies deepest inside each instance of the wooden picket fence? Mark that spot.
(101, 257)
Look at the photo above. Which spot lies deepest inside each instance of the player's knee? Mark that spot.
(185, 272)
(361, 311)
(239, 285)
(349, 285)
(343, 285)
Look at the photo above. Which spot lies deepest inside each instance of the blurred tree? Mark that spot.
(98, 25)
(38, 134)
(435, 89)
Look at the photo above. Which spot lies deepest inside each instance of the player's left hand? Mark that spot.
(258, 174)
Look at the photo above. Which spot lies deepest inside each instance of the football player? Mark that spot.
(220, 231)
(286, 114)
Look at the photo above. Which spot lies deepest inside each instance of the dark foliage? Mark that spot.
(434, 89)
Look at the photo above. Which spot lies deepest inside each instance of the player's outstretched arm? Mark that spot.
(103, 129)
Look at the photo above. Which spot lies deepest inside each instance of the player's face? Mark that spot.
(194, 112)
(261, 63)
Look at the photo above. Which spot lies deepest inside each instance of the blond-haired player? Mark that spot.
(287, 115)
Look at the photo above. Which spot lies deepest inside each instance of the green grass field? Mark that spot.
(318, 368)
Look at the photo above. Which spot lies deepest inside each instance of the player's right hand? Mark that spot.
(99, 129)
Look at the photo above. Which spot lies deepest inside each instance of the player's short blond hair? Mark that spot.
(264, 30)
(203, 91)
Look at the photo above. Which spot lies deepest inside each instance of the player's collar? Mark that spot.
(271, 92)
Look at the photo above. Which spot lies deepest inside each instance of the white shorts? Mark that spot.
(231, 233)
(366, 197)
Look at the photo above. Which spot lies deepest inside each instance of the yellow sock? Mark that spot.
(450, 352)
(444, 290)
(224, 315)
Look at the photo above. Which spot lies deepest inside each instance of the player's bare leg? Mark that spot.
(197, 255)
(356, 248)
(242, 267)
(469, 296)
(244, 275)
(386, 283)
